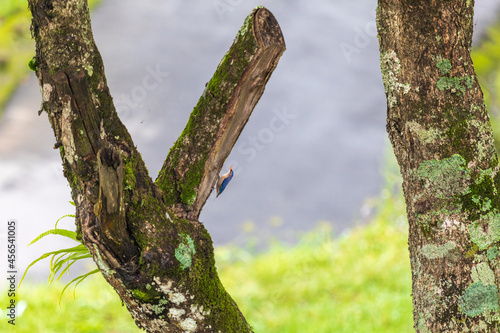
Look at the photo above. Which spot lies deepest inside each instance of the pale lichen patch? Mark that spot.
(421, 323)
(176, 314)
(446, 177)
(168, 217)
(89, 69)
(492, 253)
(483, 273)
(198, 313)
(185, 251)
(485, 145)
(188, 321)
(479, 299)
(176, 298)
(450, 223)
(186, 315)
(188, 325)
(67, 134)
(391, 66)
(432, 251)
(103, 266)
(485, 231)
(426, 136)
(165, 288)
(46, 91)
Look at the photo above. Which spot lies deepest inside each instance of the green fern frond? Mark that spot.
(80, 278)
(66, 269)
(67, 215)
(68, 261)
(79, 248)
(61, 232)
(61, 260)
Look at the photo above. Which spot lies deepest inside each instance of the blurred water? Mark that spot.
(311, 151)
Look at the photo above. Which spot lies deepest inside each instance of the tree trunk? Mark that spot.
(145, 236)
(441, 135)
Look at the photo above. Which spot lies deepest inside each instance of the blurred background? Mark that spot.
(312, 163)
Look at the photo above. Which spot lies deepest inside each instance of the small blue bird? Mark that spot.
(224, 180)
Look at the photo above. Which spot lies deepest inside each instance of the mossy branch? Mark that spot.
(145, 237)
(194, 162)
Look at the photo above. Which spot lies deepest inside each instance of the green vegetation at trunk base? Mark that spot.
(352, 277)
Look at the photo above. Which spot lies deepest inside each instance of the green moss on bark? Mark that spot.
(129, 177)
(188, 159)
(481, 196)
(33, 64)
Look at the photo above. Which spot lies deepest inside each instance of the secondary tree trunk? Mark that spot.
(145, 236)
(441, 135)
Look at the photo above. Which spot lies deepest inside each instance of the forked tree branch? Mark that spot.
(145, 236)
(194, 162)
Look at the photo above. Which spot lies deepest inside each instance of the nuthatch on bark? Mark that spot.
(224, 180)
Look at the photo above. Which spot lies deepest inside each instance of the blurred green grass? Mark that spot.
(16, 46)
(358, 282)
(486, 59)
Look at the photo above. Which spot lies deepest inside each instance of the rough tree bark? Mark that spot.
(441, 135)
(145, 236)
